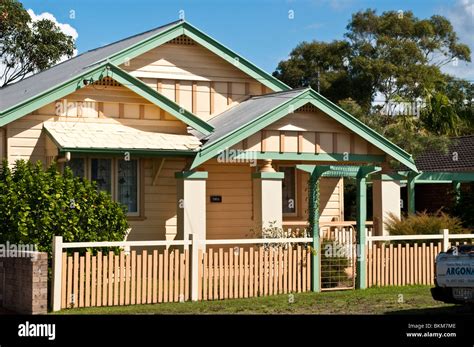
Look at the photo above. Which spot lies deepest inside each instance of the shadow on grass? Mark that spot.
(444, 310)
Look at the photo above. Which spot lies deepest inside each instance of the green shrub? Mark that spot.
(37, 204)
(464, 208)
(423, 223)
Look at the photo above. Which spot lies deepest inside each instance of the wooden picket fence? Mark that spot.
(127, 278)
(399, 265)
(242, 273)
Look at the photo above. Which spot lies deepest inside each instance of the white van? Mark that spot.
(454, 275)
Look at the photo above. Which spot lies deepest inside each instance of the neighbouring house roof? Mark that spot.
(459, 158)
(256, 113)
(115, 138)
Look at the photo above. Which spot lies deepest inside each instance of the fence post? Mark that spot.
(195, 246)
(57, 273)
(445, 233)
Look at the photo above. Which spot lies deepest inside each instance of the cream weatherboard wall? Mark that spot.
(194, 77)
(307, 130)
(108, 103)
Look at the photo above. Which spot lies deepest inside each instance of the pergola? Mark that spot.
(360, 173)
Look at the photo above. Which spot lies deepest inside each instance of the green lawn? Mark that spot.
(386, 300)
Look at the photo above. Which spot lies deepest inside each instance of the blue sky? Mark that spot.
(261, 31)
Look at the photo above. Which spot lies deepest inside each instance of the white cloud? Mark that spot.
(65, 28)
(461, 16)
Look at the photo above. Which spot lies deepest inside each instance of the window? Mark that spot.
(289, 190)
(101, 173)
(118, 177)
(127, 184)
(77, 166)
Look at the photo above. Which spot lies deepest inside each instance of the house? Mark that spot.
(445, 175)
(196, 140)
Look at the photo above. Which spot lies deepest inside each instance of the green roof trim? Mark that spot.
(95, 71)
(306, 96)
(121, 76)
(160, 100)
(269, 175)
(51, 95)
(147, 44)
(230, 56)
(133, 152)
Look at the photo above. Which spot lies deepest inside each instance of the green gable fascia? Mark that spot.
(362, 130)
(159, 100)
(306, 96)
(208, 152)
(51, 95)
(180, 28)
(234, 58)
(96, 74)
(146, 45)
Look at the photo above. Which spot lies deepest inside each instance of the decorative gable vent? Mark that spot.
(182, 40)
(107, 81)
(307, 108)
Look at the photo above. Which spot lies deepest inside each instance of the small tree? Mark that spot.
(37, 204)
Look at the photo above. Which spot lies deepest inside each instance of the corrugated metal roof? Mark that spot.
(246, 112)
(75, 135)
(18, 92)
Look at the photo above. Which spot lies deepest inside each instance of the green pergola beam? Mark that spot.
(446, 176)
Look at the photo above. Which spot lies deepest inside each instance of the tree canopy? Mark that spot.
(394, 54)
(28, 46)
(386, 59)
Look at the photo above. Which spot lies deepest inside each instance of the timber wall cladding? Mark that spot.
(307, 130)
(233, 217)
(194, 77)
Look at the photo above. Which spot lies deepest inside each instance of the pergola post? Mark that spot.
(411, 192)
(313, 203)
(361, 202)
(361, 218)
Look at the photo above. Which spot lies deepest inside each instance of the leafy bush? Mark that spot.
(423, 223)
(37, 204)
(464, 208)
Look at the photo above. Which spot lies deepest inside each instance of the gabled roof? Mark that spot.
(23, 97)
(256, 113)
(459, 158)
(246, 112)
(23, 90)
